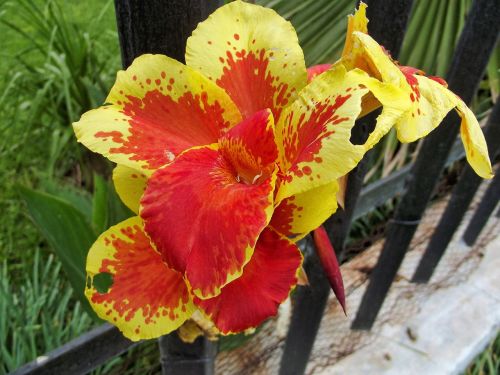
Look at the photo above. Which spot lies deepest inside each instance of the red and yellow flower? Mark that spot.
(227, 161)
(428, 97)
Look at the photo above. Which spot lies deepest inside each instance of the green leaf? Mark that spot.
(99, 204)
(78, 198)
(68, 233)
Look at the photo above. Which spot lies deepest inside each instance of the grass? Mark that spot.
(53, 70)
(37, 313)
(488, 362)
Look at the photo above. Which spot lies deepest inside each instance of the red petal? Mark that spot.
(266, 282)
(203, 221)
(330, 264)
(250, 147)
(161, 128)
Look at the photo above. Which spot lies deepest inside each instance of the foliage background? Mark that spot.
(58, 59)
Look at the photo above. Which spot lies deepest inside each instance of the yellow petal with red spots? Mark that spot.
(158, 108)
(314, 132)
(430, 103)
(382, 94)
(147, 299)
(129, 185)
(204, 219)
(299, 214)
(474, 143)
(267, 281)
(252, 53)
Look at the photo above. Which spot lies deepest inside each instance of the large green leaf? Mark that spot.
(68, 233)
(78, 198)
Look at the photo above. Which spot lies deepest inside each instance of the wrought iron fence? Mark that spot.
(142, 28)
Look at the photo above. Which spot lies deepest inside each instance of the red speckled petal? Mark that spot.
(330, 264)
(158, 108)
(314, 133)
(203, 220)
(266, 282)
(252, 53)
(250, 147)
(316, 70)
(147, 298)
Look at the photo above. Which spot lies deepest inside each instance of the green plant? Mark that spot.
(38, 314)
(488, 362)
(70, 220)
(58, 60)
(64, 70)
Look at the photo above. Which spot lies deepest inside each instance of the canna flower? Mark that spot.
(429, 99)
(226, 161)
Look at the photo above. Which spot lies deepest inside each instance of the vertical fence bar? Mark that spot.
(183, 359)
(469, 62)
(461, 197)
(483, 212)
(388, 20)
(159, 26)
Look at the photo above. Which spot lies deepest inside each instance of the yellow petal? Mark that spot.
(474, 143)
(390, 97)
(351, 55)
(342, 181)
(430, 103)
(252, 53)
(130, 185)
(300, 214)
(380, 65)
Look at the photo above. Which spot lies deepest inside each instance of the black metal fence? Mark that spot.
(142, 27)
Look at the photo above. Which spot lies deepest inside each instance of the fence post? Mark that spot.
(186, 359)
(461, 197)
(469, 62)
(160, 26)
(483, 212)
(388, 19)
